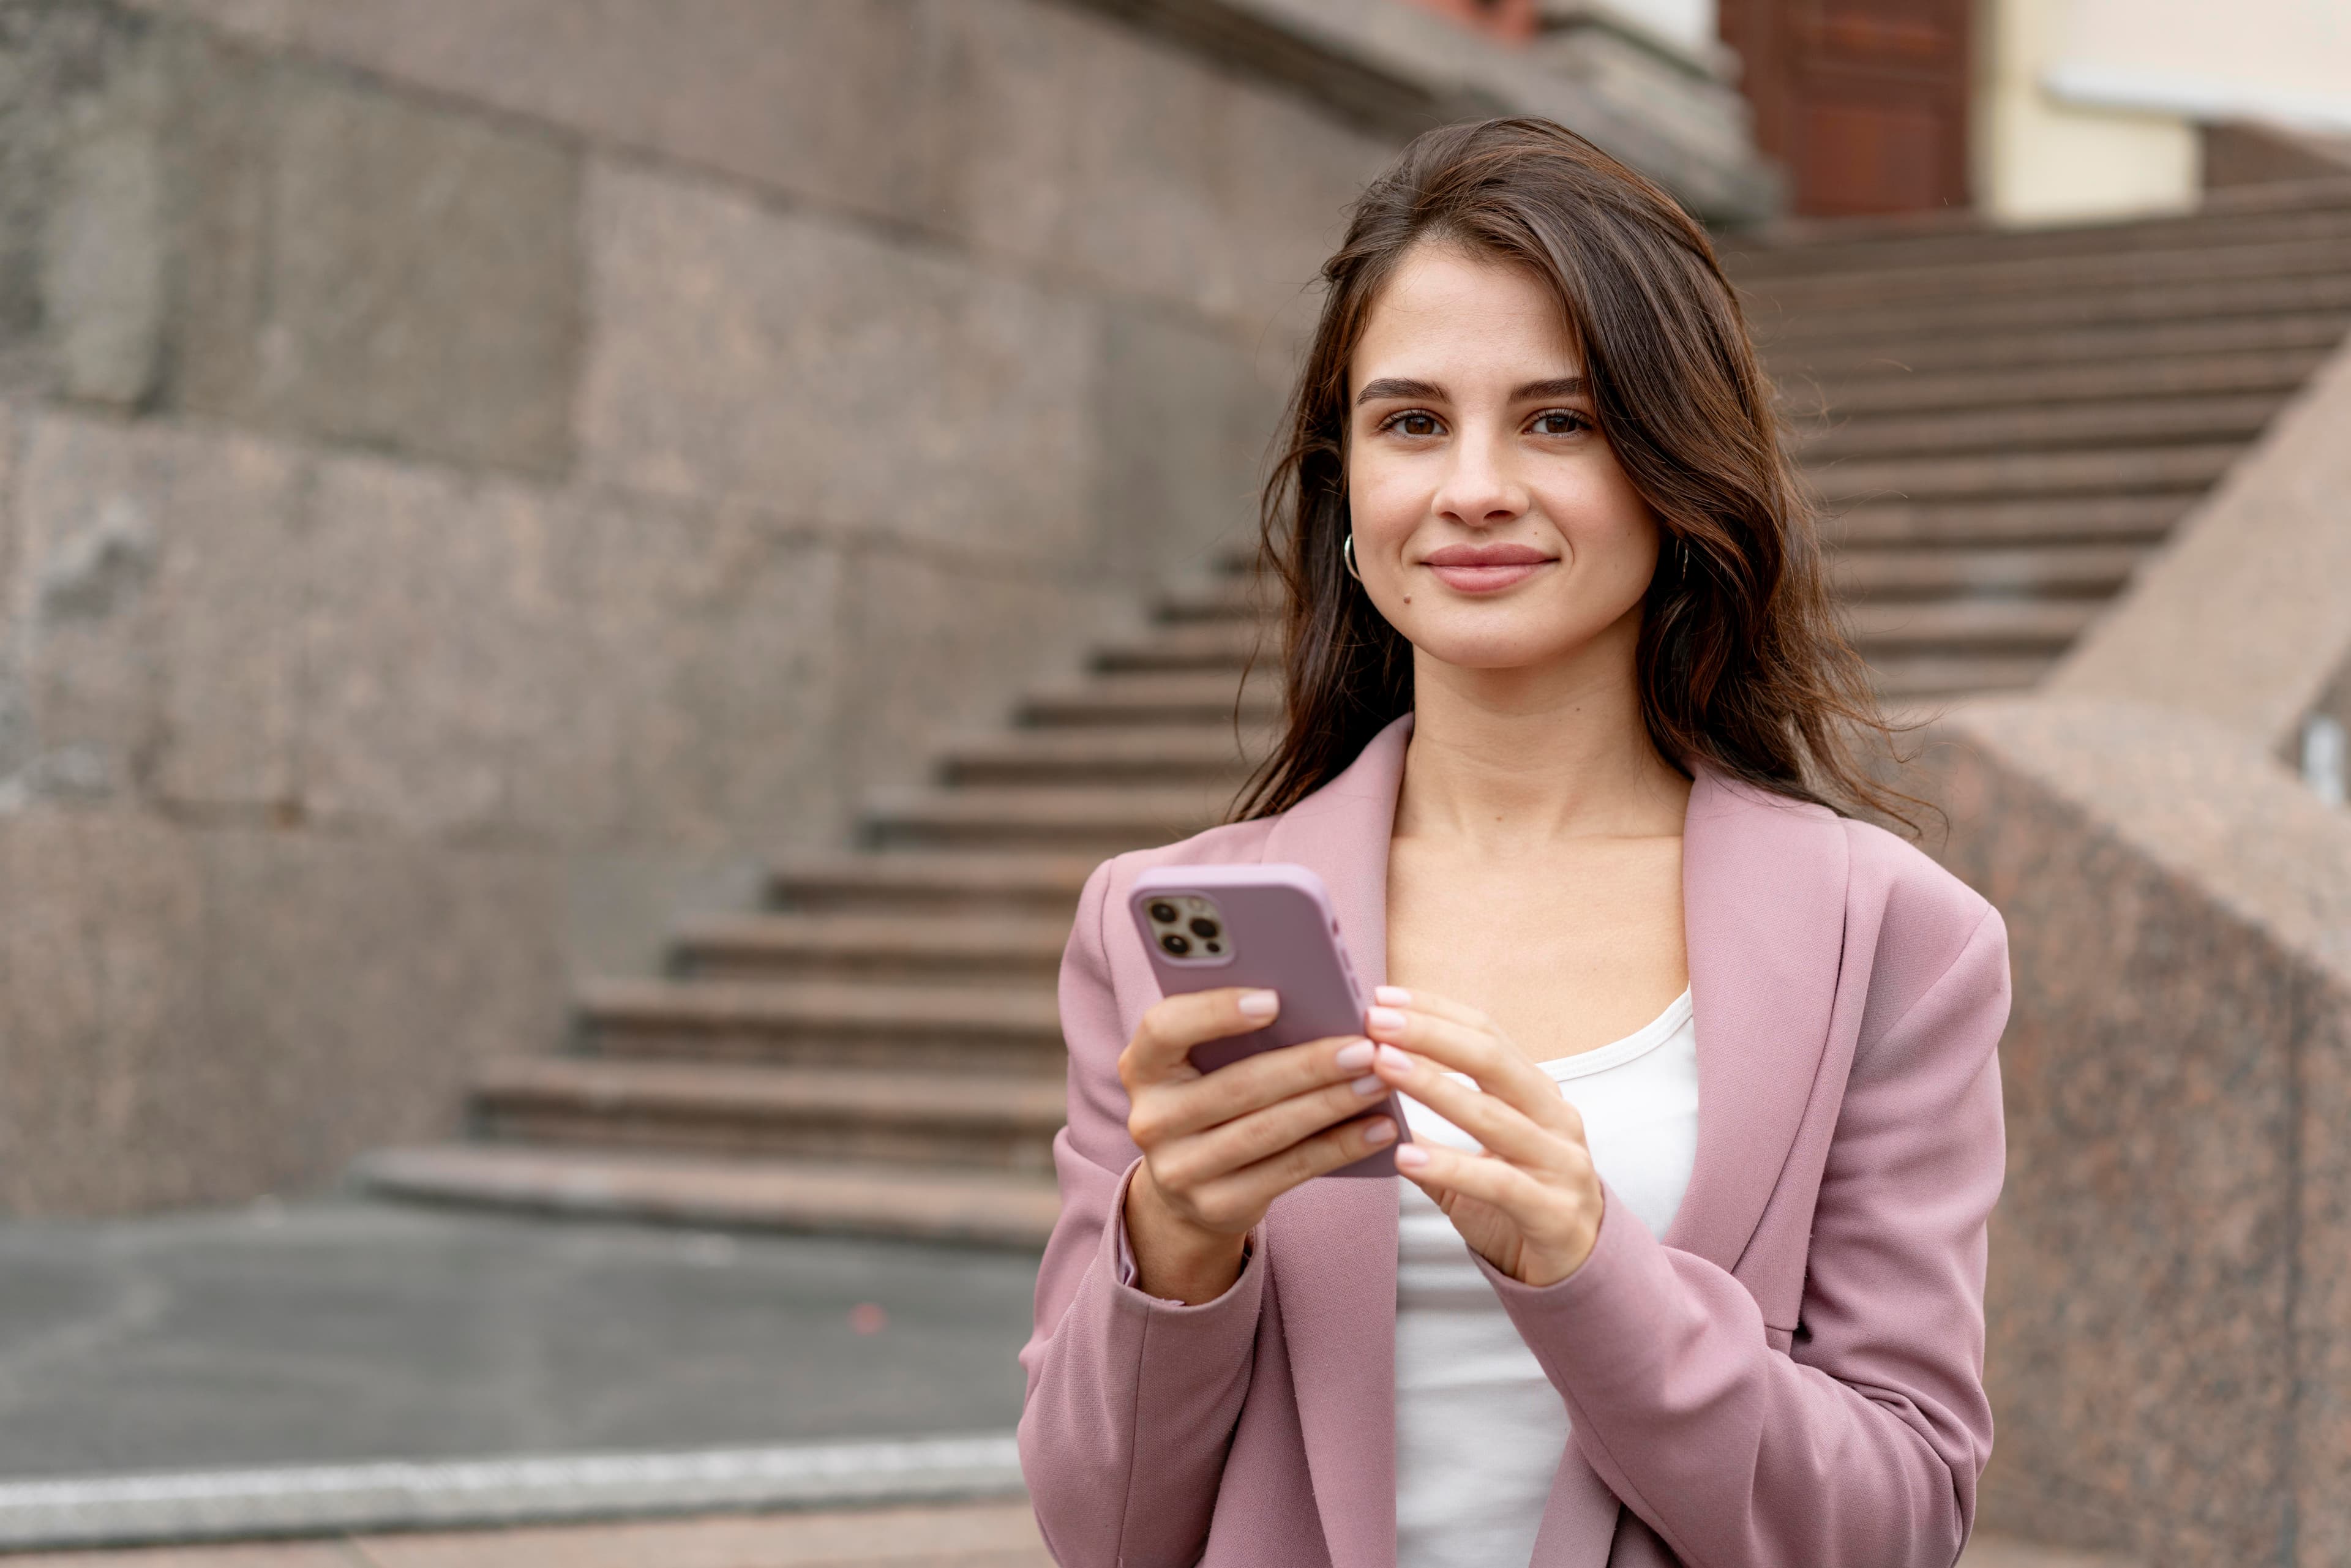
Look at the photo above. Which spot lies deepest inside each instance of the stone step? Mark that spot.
(2015, 353)
(2088, 519)
(1853, 431)
(1103, 819)
(1863, 394)
(836, 1022)
(2055, 572)
(974, 948)
(2278, 213)
(2147, 303)
(1237, 594)
(1232, 643)
(2003, 626)
(2227, 267)
(2141, 471)
(994, 1207)
(906, 882)
(1190, 753)
(1156, 697)
(1944, 676)
(995, 1121)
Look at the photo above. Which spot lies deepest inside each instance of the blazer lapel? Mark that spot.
(1763, 900)
(1337, 1239)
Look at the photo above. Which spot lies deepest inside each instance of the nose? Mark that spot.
(1481, 489)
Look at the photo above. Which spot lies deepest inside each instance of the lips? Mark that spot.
(1487, 567)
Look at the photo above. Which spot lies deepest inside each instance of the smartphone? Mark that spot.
(1258, 926)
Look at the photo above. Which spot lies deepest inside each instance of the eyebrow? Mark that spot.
(1396, 386)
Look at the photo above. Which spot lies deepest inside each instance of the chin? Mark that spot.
(1497, 636)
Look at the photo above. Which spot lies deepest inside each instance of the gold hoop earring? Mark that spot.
(1347, 554)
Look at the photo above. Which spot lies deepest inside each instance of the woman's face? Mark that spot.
(1493, 527)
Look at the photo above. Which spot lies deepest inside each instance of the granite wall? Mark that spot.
(475, 475)
(2170, 1291)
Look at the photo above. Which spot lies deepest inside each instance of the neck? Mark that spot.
(1505, 759)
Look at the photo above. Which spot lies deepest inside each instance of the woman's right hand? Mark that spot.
(1219, 1147)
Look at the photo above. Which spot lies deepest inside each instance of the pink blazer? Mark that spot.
(1790, 1377)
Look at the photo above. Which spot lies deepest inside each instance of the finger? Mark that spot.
(1496, 1124)
(1431, 1003)
(1179, 1107)
(1499, 1067)
(1249, 1190)
(1171, 1026)
(1537, 1207)
(1207, 1156)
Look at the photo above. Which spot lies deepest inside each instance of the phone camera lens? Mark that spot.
(1174, 943)
(1164, 913)
(1204, 927)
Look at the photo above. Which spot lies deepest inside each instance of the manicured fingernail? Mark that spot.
(1259, 1004)
(1384, 1018)
(1394, 996)
(1354, 1056)
(1368, 1086)
(1411, 1157)
(1379, 1130)
(1394, 1060)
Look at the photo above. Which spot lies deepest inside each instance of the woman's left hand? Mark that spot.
(1528, 1202)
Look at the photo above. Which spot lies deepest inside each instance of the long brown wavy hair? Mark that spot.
(1741, 661)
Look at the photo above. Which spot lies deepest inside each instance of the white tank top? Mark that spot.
(1480, 1429)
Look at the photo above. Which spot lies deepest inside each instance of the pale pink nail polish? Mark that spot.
(1379, 1131)
(1411, 1157)
(1394, 996)
(1259, 1004)
(1394, 1060)
(1368, 1086)
(1355, 1057)
(1384, 1018)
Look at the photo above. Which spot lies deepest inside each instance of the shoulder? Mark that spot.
(1924, 927)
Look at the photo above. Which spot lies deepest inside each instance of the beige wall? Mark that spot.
(2039, 159)
(2089, 108)
(2287, 60)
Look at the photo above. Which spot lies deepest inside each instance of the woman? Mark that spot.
(1688, 1267)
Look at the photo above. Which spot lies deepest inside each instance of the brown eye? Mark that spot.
(1560, 422)
(1408, 423)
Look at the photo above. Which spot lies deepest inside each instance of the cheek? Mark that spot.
(1383, 498)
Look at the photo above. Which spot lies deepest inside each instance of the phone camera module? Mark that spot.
(1175, 944)
(1204, 928)
(1163, 912)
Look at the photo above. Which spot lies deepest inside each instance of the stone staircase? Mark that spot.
(2004, 426)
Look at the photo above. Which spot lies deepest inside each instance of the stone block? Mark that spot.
(482, 657)
(358, 265)
(350, 985)
(2168, 1276)
(932, 644)
(80, 263)
(1079, 144)
(826, 375)
(1186, 428)
(100, 975)
(153, 605)
(194, 1015)
(813, 98)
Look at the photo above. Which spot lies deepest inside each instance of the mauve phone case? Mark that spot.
(1283, 935)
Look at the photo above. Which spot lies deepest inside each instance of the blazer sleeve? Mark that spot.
(1115, 1374)
(1861, 1447)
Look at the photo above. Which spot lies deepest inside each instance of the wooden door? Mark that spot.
(1864, 100)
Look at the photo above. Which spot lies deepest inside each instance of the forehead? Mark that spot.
(1449, 308)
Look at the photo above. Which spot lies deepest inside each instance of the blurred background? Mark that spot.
(581, 582)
